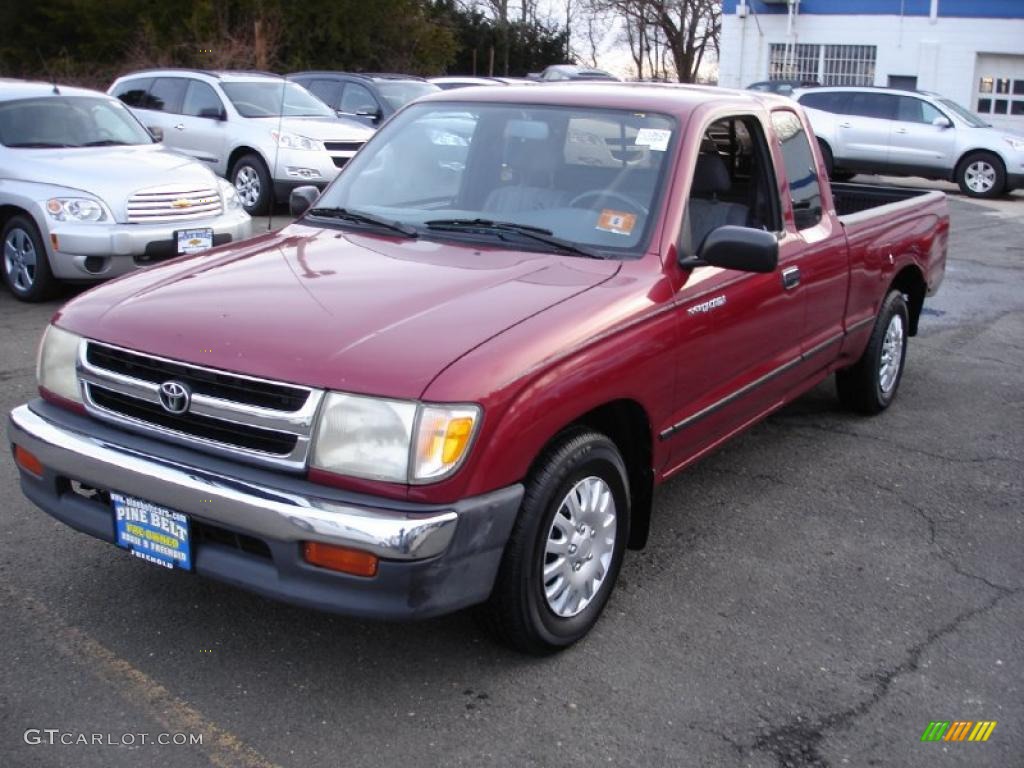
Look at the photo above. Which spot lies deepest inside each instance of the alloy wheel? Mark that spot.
(20, 260)
(892, 355)
(247, 184)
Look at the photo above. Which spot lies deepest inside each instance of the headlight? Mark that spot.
(229, 195)
(55, 365)
(75, 209)
(392, 440)
(1015, 141)
(287, 140)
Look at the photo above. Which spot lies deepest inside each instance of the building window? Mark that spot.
(1010, 90)
(849, 65)
(825, 64)
(797, 62)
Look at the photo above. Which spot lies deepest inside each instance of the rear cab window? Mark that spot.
(801, 170)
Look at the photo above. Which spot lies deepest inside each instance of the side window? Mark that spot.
(201, 101)
(801, 171)
(166, 94)
(357, 98)
(133, 92)
(733, 182)
(325, 90)
(881, 106)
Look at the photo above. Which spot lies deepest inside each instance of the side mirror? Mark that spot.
(301, 199)
(942, 122)
(740, 248)
(213, 113)
(155, 132)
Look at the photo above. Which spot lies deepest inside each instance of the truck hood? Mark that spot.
(340, 310)
(323, 128)
(112, 174)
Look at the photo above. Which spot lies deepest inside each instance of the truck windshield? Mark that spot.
(267, 99)
(68, 121)
(590, 178)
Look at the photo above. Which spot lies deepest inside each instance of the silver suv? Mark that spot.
(86, 194)
(912, 133)
(265, 134)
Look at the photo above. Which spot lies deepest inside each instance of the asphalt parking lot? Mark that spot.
(813, 595)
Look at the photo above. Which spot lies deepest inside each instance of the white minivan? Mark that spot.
(912, 133)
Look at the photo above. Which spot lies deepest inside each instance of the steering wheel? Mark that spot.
(599, 193)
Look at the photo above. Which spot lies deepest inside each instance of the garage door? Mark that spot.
(999, 83)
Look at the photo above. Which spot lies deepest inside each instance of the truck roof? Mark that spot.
(667, 97)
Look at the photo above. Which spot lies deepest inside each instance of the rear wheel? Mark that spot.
(566, 548)
(981, 174)
(26, 267)
(869, 386)
(253, 185)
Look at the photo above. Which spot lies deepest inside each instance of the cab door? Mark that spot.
(739, 332)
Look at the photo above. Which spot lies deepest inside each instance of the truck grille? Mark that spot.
(246, 418)
(172, 203)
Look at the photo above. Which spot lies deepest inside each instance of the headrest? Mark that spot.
(711, 175)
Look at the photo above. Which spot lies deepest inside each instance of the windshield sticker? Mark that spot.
(653, 138)
(616, 222)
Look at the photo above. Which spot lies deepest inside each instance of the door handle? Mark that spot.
(901, 130)
(790, 278)
(844, 125)
(180, 126)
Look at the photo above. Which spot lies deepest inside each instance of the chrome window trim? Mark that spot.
(300, 424)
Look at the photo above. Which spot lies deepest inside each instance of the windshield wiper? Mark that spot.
(364, 218)
(39, 145)
(540, 234)
(105, 143)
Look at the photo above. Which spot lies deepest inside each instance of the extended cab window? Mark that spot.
(733, 182)
(801, 171)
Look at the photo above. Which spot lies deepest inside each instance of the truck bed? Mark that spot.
(855, 198)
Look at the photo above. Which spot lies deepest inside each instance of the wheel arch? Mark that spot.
(238, 153)
(626, 423)
(974, 151)
(911, 283)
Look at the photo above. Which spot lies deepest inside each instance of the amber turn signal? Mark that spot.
(341, 559)
(28, 461)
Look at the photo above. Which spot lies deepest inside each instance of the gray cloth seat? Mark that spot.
(704, 211)
(534, 164)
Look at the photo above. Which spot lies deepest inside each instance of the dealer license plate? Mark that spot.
(194, 240)
(152, 533)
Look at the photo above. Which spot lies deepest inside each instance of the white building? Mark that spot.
(969, 50)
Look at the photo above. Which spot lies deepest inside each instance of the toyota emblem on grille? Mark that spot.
(174, 397)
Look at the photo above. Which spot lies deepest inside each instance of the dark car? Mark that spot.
(781, 87)
(369, 97)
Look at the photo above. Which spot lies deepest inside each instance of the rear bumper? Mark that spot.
(434, 559)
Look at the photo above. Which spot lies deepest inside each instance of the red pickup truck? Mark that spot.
(457, 377)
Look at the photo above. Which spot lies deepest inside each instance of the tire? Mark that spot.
(870, 385)
(826, 156)
(25, 265)
(841, 175)
(981, 174)
(539, 616)
(252, 182)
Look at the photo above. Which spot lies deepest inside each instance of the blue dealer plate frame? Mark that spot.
(189, 241)
(153, 533)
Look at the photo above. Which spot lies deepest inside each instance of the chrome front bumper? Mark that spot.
(259, 510)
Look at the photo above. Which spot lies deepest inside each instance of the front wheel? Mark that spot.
(869, 385)
(566, 548)
(253, 185)
(981, 174)
(26, 268)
